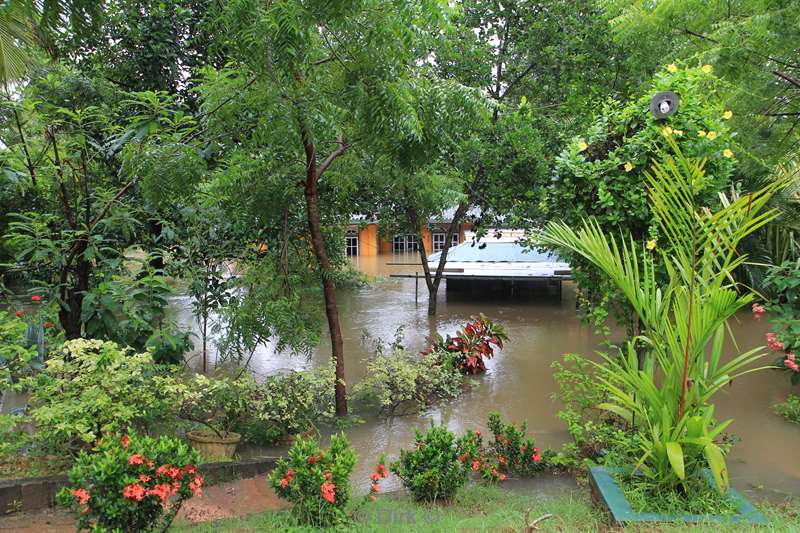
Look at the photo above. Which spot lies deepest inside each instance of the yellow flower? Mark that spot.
(582, 146)
(672, 67)
(707, 69)
(667, 131)
(727, 115)
(678, 133)
(727, 153)
(651, 244)
(712, 135)
(628, 166)
(701, 133)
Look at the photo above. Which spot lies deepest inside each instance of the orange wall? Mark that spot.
(427, 240)
(368, 240)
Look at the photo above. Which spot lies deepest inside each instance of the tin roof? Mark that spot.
(495, 252)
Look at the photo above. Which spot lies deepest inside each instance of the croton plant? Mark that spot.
(473, 344)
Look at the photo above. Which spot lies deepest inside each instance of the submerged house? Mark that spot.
(363, 238)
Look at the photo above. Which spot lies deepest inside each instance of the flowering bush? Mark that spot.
(316, 482)
(509, 453)
(432, 471)
(89, 388)
(472, 344)
(783, 282)
(131, 483)
(290, 404)
(401, 378)
(599, 174)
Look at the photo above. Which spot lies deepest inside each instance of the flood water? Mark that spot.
(519, 381)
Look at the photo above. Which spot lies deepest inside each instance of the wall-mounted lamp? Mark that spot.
(664, 104)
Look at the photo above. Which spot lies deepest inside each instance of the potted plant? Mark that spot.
(662, 381)
(218, 405)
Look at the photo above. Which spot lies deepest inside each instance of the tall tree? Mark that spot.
(337, 75)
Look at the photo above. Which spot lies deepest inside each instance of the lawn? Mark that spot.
(480, 508)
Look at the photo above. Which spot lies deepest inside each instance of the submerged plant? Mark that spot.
(666, 394)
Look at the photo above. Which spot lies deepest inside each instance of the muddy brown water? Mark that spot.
(519, 382)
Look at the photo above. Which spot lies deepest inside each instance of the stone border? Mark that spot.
(32, 494)
(608, 494)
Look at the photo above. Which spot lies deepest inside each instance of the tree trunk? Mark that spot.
(70, 312)
(318, 243)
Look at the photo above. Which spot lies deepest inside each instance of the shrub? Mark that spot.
(91, 387)
(18, 356)
(131, 483)
(432, 471)
(515, 452)
(316, 482)
(403, 378)
(290, 404)
(216, 403)
(790, 409)
(783, 281)
(472, 344)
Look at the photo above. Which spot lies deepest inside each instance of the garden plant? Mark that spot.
(682, 318)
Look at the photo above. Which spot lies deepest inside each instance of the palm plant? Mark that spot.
(25, 24)
(684, 315)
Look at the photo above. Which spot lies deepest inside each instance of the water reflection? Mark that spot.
(519, 381)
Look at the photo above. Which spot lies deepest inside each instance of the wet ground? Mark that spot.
(519, 381)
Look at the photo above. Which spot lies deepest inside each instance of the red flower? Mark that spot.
(284, 483)
(503, 477)
(381, 468)
(773, 343)
(758, 310)
(494, 472)
(124, 439)
(36, 298)
(81, 495)
(290, 474)
(190, 469)
(477, 433)
(372, 498)
(536, 457)
(144, 478)
(501, 460)
(136, 459)
(328, 475)
(162, 491)
(134, 492)
(463, 458)
(375, 487)
(312, 459)
(195, 487)
(375, 477)
(48, 324)
(162, 470)
(476, 465)
(328, 491)
(174, 472)
(20, 313)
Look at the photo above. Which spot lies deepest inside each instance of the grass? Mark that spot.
(479, 508)
(644, 496)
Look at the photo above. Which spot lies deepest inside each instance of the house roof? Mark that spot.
(495, 252)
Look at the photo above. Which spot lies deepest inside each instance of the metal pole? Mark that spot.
(416, 288)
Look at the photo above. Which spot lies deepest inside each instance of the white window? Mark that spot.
(404, 243)
(438, 241)
(351, 245)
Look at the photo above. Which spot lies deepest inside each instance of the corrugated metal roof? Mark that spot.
(495, 252)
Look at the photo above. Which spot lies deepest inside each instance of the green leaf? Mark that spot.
(675, 455)
(716, 461)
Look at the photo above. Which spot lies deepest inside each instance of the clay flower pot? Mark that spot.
(210, 445)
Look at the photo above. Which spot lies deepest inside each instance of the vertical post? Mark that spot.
(416, 287)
